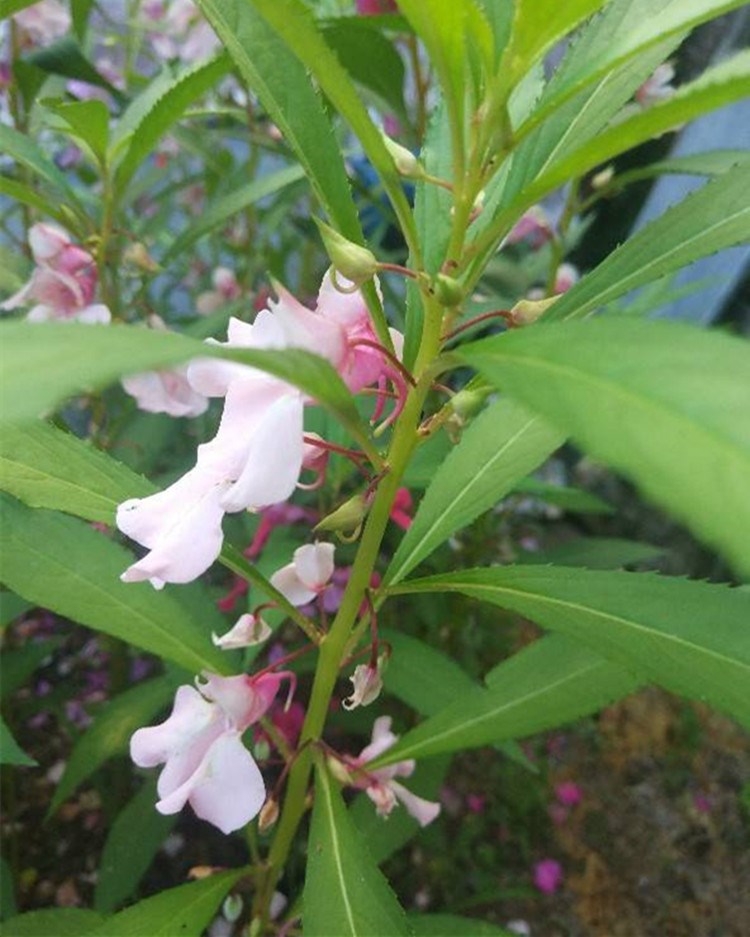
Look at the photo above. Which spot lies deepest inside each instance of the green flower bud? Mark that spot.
(352, 261)
(467, 403)
(527, 311)
(406, 162)
(448, 291)
(347, 517)
(338, 770)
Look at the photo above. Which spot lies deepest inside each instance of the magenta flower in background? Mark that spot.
(568, 793)
(548, 876)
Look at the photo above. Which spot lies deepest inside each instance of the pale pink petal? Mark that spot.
(155, 744)
(235, 696)
(273, 459)
(46, 240)
(229, 789)
(423, 811)
(366, 684)
(247, 631)
(291, 586)
(382, 740)
(41, 313)
(314, 564)
(383, 798)
(308, 330)
(98, 314)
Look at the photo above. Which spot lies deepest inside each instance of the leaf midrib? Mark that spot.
(337, 852)
(667, 408)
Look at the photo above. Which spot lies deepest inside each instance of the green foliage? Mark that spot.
(714, 217)
(10, 751)
(133, 841)
(593, 553)
(62, 564)
(47, 468)
(53, 922)
(345, 892)
(186, 910)
(109, 734)
(155, 110)
(503, 444)
(450, 925)
(690, 637)
(664, 403)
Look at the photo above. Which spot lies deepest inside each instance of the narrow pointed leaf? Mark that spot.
(691, 637)
(11, 752)
(53, 922)
(62, 564)
(713, 218)
(594, 553)
(47, 363)
(503, 444)
(345, 892)
(548, 684)
(185, 911)
(284, 88)
(666, 404)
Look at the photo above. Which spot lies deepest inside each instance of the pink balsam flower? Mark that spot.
(548, 876)
(307, 575)
(63, 283)
(381, 785)
(657, 87)
(42, 23)
(225, 290)
(200, 746)
(165, 392)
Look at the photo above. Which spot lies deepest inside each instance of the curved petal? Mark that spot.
(191, 713)
(273, 459)
(423, 811)
(314, 564)
(308, 330)
(97, 314)
(229, 789)
(291, 586)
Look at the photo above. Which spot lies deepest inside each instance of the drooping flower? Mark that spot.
(657, 87)
(247, 631)
(380, 785)
(200, 746)
(165, 392)
(63, 283)
(225, 290)
(533, 226)
(307, 575)
(42, 23)
(366, 686)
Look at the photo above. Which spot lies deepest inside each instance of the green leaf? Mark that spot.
(21, 148)
(714, 217)
(64, 57)
(537, 26)
(709, 163)
(690, 637)
(10, 751)
(109, 733)
(28, 196)
(450, 925)
(156, 109)
(625, 29)
(12, 606)
(185, 911)
(47, 468)
(45, 363)
(370, 58)
(62, 564)
(53, 922)
(8, 907)
(133, 841)
(563, 496)
(17, 666)
(9, 7)
(421, 676)
(345, 892)
(549, 683)
(283, 86)
(86, 121)
(293, 22)
(594, 553)
(666, 404)
(223, 208)
(503, 444)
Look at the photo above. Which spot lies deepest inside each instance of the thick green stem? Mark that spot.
(333, 647)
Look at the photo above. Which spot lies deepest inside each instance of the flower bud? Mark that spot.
(352, 261)
(269, 814)
(232, 908)
(603, 178)
(405, 161)
(137, 256)
(467, 403)
(338, 770)
(347, 517)
(367, 684)
(527, 311)
(448, 291)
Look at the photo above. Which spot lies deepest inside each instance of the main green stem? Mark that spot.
(333, 646)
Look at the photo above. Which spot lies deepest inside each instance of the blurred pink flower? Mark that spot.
(402, 505)
(225, 290)
(658, 87)
(62, 284)
(548, 876)
(42, 23)
(476, 803)
(376, 7)
(165, 392)
(307, 575)
(569, 793)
